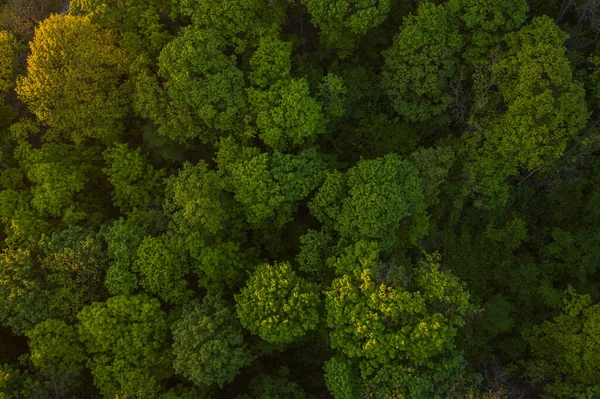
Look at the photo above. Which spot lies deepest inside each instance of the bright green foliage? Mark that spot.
(344, 22)
(286, 115)
(197, 200)
(421, 62)
(8, 64)
(208, 345)
(269, 187)
(566, 350)
(277, 305)
(57, 354)
(123, 239)
(240, 22)
(546, 107)
(162, 270)
(370, 200)
(126, 337)
(72, 82)
(274, 387)
(403, 340)
(23, 302)
(358, 257)
(270, 62)
(203, 84)
(487, 21)
(136, 183)
(136, 21)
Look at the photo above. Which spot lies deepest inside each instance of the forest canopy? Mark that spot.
(264, 199)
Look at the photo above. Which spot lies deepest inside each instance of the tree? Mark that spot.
(286, 115)
(197, 199)
(73, 79)
(204, 88)
(58, 356)
(271, 62)
(22, 16)
(486, 21)
(276, 386)
(401, 339)
(343, 23)
(8, 61)
(240, 23)
(208, 345)
(23, 300)
(370, 200)
(137, 184)
(421, 62)
(126, 337)
(267, 187)
(546, 106)
(545, 110)
(566, 351)
(123, 238)
(59, 173)
(137, 22)
(277, 305)
(74, 264)
(162, 270)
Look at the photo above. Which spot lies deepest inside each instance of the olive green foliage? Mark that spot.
(123, 239)
(126, 338)
(247, 199)
(21, 16)
(72, 82)
(14, 383)
(162, 269)
(204, 87)
(136, 182)
(370, 199)
(208, 343)
(546, 107)
(137, 22)
(75, 266)
(24, 302)
(313, 251)
(565, 350)
(277, 305)
(241, 23)
(8, 61)
(271, 61)
(343, 22)
(59, 174)
(274, 386)
(197, 200)
(421, 62)
(487, 21)
(57, 353)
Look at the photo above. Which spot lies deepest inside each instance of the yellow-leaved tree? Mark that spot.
(73, 82)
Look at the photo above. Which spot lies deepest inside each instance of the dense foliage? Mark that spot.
(299, 199)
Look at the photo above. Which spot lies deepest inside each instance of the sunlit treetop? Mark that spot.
(73, 81)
